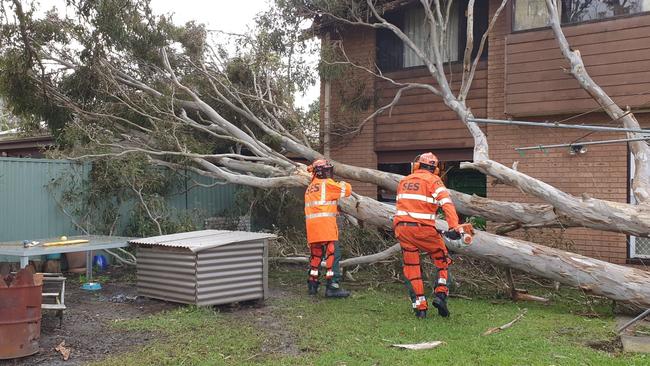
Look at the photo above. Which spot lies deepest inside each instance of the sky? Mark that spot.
(223, 15)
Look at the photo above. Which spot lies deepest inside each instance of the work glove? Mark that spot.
(452, 234)
(460, 235)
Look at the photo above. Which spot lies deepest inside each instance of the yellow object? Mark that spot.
(63, 238)
(65, 242)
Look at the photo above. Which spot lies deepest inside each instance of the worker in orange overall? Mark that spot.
(321, 210)
(419, 195)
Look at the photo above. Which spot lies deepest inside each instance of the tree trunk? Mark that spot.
(598, 277)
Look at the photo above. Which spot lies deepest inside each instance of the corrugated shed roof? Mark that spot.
(197, 241)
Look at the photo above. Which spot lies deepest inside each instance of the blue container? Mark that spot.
(100, 262)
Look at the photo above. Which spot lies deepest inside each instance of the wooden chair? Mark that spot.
(54, 300)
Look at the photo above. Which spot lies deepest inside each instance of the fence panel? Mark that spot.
(28, 210)
(31, 189)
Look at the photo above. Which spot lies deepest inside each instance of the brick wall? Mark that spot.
(359, 45)
(602, 172)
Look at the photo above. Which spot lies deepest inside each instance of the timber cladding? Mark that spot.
(419, 119)
(616, 53)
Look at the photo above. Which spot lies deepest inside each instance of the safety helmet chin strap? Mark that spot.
(432, 168)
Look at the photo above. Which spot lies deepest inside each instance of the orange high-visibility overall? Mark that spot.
(321, 210)
(418, 197)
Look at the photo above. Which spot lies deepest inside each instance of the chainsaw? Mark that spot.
(463, 235)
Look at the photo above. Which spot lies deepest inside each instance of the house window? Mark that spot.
(461, 180)
(385, 195)
(531, 14)
(393, 54)
(417, 28)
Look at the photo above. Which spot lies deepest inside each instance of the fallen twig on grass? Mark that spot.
(507, 325)
(460, 296)
(420, 346)
(522, 296)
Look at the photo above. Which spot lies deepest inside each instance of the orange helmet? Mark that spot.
(427, 161)
(321, 168)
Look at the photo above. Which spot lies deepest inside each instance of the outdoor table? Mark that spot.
(95, 242)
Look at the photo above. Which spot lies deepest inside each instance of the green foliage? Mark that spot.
(273, 209)
(125, 29)
(85, 102)
(140, 224)
(329, 67)
(478, 222)
(122, 190)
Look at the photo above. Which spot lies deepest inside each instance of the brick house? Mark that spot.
(520, 76)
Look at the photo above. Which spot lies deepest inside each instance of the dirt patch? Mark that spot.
(86, 322)
(613, 346)
(279, 340)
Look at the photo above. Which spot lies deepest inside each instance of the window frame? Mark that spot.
(632, 254)
(462, 40)
(513, 4)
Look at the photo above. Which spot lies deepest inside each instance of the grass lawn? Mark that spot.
(293, 329)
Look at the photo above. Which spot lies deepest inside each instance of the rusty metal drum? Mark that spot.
(20, 316)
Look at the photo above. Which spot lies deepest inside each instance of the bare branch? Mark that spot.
(469, 45)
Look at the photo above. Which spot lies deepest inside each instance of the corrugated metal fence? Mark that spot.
(29, 209)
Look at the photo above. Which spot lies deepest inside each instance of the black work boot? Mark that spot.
(440, 302)
(312, 286)
(420, 314)
(335, 290)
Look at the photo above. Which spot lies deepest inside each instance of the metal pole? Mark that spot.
(603, 142)
(24, 261)
(627, 325)
(555, 125)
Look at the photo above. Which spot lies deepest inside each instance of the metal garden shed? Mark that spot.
(208, 267)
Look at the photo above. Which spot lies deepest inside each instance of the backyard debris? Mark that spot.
(28, 244)
(507, 325)
(122, 298)
(420, 346)
(521, 294)
(63, 350)
(628, 324)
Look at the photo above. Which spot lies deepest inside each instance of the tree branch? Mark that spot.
(640, 149)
